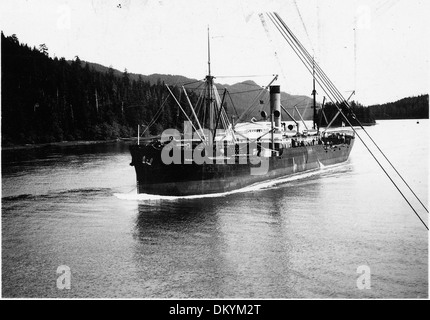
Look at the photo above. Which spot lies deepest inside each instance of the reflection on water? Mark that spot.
(302, 237)
(209, 244)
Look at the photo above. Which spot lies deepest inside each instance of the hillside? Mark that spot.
(47, 100)
(242, 94)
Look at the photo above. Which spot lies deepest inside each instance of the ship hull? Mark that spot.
(155, 177)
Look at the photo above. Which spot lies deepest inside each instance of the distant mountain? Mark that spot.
(242, 94)
(152, 79)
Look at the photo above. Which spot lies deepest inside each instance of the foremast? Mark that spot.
(209, 82)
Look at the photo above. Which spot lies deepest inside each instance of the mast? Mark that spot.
(314, 92)
(209, 55)
(209, 81)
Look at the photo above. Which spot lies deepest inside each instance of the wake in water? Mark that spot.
(255, 187)
(53, 194)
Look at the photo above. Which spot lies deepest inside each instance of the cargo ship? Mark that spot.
(214, 155)
(236, 156)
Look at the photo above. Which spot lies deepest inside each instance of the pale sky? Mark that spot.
(386, 58)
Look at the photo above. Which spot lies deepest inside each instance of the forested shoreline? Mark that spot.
(47, 100)
(407, 108)
(358, 114)
(416, 107)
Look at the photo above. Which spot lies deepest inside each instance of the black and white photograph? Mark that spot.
(214, 150)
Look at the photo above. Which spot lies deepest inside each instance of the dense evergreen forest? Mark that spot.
(359, 112)
(407, 108)
(49, 99)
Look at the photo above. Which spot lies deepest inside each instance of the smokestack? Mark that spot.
(275, 105)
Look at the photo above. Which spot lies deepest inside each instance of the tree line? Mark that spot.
(356, 114)
(48, 99)
(416, 107)
(407, 108)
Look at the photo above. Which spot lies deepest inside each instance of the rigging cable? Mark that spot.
(263, 22)
(158, 113)
(250, 76)
(232, 103)
(307, 60)
(304, 26)
(155, 117)
(246, 91)
(340, 97)
(252, 107)
(191, 82)
(180, 107)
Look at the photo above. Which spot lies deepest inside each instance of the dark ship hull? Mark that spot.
(155, 177)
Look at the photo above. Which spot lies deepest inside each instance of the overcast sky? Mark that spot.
(378, 48)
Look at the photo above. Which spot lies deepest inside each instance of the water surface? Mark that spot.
(304, 237)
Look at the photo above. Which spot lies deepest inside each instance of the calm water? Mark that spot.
(302, 238)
